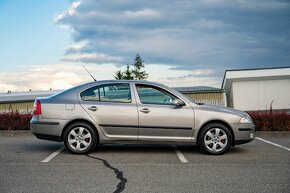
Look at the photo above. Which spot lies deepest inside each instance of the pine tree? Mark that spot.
(127, 74)
(119, 75)
(138, 74)
(135, 74)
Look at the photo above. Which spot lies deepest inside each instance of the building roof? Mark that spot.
(254, 75)
(194, 89)
(24, 96)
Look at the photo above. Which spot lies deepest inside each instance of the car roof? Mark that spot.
(122, 81)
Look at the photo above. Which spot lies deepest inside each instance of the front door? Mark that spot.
(113, 109)
(159, 118)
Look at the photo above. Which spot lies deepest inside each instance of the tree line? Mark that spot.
(137, 73)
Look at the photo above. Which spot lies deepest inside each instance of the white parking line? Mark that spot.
(275, 144)
(180, 156)
(51, 156)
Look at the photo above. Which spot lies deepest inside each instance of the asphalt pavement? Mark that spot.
(31, 165)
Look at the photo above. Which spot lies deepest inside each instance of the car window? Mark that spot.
(91, 94)
(154, 95)
(119, 92)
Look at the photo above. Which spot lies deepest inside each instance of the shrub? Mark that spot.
(271, 120)
(15, 121)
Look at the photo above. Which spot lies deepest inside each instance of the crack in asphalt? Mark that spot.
(119, 174)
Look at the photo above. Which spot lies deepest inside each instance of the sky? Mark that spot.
(43, 44)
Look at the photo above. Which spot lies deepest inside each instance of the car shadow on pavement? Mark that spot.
(154, 149)
(136, 148)
(194, 149)
(144, 148)
(41, 147)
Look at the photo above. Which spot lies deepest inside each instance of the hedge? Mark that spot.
(15, 121)
(271, 120)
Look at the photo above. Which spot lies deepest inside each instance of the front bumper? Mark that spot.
(244, 133)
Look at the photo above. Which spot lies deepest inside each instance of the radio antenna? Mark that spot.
(89, 73)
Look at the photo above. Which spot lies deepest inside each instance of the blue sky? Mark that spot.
(183, 42)
(28, 34)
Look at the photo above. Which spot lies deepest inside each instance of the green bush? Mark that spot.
(271, 121)
(15, 121)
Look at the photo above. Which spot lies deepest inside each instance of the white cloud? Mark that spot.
(188, 34)
(77, 47)
(213, 1)
(92, 58)
(208, 24)
(142, 14)
(39, 79)
(257, 5)
(195, 74)
(70, 11)
(202, 72)
(178, 78)
(198, 81)
(63, 76)
(5, 87)
(55, 76)
(198, 39)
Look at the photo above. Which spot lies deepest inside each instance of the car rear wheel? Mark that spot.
(215, 139)
(80, 138)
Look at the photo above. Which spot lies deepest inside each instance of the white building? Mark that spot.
(256, 89)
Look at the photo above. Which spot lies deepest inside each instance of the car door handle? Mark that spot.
(93, 108)
(145, 110)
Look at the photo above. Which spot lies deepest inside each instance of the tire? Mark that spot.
(80, 138)
(215, 139)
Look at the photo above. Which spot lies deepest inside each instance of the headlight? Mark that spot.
(245, 120)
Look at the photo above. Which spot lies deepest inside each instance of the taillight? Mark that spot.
(37, 107)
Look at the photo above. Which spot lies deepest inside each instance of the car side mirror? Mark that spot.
(178, 102)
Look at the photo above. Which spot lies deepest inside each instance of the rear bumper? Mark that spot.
(47, 130)
(48, 137)
(43, 123)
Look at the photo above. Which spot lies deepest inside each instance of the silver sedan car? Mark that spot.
(117, 111)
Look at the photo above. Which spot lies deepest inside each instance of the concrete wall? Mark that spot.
(230, 97)
(258, 95)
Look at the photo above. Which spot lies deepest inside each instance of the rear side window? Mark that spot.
(119, 92)
(91, 94)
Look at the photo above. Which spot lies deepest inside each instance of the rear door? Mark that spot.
(159, 118)
(113, 108)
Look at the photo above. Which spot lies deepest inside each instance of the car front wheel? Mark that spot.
(215, 139)
(80, 138)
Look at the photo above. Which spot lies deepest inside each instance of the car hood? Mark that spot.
(222, 109)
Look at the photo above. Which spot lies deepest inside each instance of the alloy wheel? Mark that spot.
(215, 139)
(79, 138)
